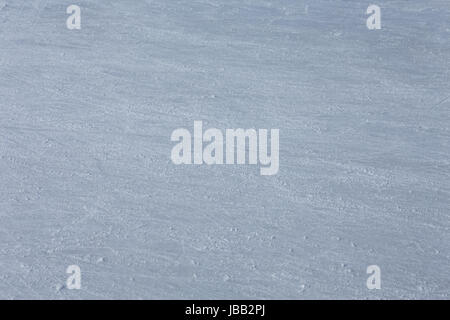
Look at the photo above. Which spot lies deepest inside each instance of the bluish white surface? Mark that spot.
(85, 171)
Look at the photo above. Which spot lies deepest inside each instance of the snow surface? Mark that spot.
(86, 176)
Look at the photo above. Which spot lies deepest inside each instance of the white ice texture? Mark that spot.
(85, 171)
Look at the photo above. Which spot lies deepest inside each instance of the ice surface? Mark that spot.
(86, 176)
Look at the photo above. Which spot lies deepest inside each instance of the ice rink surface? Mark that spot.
(86, 176)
